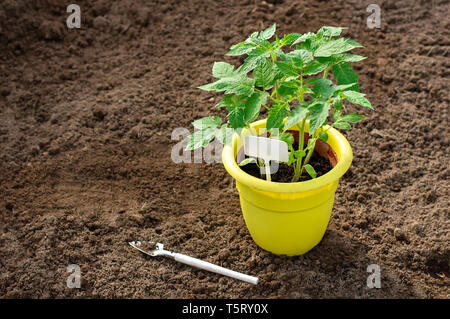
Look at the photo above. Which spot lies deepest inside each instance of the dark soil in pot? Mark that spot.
(285, 172)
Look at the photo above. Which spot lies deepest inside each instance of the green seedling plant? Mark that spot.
(308, 84)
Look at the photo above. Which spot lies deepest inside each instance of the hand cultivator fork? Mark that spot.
(157, 249)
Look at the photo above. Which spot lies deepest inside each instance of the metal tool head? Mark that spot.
(149, 248)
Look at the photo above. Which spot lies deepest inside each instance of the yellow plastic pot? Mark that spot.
(287, 218)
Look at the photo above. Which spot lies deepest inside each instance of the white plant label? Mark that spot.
(266, 148)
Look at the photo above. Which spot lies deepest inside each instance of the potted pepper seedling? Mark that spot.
(303, 80)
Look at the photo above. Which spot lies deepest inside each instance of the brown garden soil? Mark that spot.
(86, 117)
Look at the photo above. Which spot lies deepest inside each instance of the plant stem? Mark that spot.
(273, 92)
(302, 131)
(298, 165)
(308, 156)
(260, 163)
(301, 136)
(325, 72)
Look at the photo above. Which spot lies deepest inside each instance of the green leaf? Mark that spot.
(299, 153)
(314, 67)
(254, 59)
(225, 135)
(336, 46)
(236, 116)
(338, 58)
(241, 48)
(319, 114)
(286, 137)
(253, 106)
(352, 118)
(206, 122)
(291, 158)
(296, 115)
(287, 88)
(310, 81)
(357, 98)
(238, 84)
(329, 60)
(311, 44)
(268, 33)
(344, 74)
(305, 90)
(322, 89)
(289, 38)
(251, 37)
(304, 37)
(248, 160)
(264, 44)
(222, 69)
(344, 87)
(200, 138)
(323, 136)
(283, 56)
(337, 108)
(348, 57)
(207, 87)
(330, 31)
(301, 58)
(310, 170)
(226, 100)
(264, 75)
(286, 68)
(342, 125)
(289, 140)
(276, 115)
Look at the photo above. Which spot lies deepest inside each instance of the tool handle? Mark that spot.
(214, 268)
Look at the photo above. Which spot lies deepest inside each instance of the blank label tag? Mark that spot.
(266, 148)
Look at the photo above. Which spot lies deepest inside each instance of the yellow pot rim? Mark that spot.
(342, 149)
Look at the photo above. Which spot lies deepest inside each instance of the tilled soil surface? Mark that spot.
(86, 120)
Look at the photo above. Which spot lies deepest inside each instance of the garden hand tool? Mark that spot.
(157, 249)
